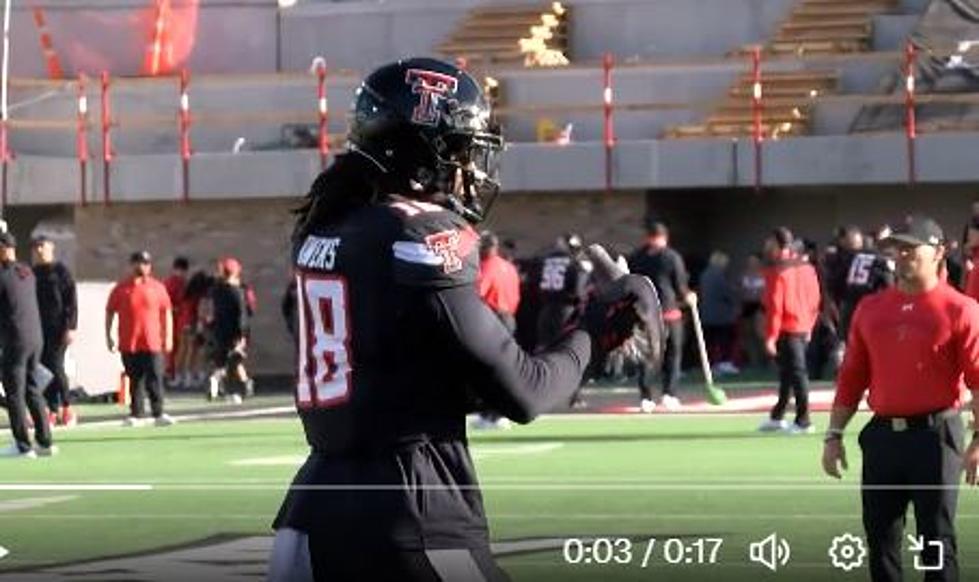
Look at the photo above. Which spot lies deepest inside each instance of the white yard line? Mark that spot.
(8, 505)
(76, 487)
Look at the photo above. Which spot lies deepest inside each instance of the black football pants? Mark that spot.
(672, 362)
(145, 371)
(23, 396)
(300, 557)
(53, 358)
(918, 466)
(793, 377)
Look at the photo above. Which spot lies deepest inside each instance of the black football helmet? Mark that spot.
(425, 124)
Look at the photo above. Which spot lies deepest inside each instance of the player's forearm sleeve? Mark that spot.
(511, 381)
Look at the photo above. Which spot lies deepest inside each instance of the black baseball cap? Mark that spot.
(917, 231)
(140, 257)
(40, 239)
(7, 240)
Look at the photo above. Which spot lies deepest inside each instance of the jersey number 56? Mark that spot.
(324, 341)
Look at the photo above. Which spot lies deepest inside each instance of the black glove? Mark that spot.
(622, 306)
(628, 306)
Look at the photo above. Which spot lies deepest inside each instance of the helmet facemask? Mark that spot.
(468, 163)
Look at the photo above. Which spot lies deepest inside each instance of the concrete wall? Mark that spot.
(534, 220)
(254, 231)
(665, 28)
(638, 164)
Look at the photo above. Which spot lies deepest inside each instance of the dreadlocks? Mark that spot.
(349, 183)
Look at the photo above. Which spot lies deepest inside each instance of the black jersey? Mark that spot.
(852, 276)
(856, 274)
(395, 348)
(20, 318)
(563, 279)
(57, 299)
(665, 268)
(562, 285)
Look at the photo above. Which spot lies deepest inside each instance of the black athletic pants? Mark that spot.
(145, 371)
(929, 458)
(394, 565)
(672, 361)
(53, 358)
(793, 378)
(23, 396)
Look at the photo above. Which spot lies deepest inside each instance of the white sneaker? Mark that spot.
(14, 452)
(670, 402)
(213, 387)
(771, 425)
(728, 368)
(647, 405)
(486, 423)
(164, 420)
(233, 398)
(800, 430)
(133, 421)
(46, 451)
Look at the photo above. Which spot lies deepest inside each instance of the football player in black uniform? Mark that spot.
(395, 344)
(562, 287)
(855, 271)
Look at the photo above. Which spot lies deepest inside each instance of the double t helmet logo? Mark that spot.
(431, 87)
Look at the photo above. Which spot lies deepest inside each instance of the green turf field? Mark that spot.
(564, 476)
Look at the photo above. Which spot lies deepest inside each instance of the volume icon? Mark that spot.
(772, 552)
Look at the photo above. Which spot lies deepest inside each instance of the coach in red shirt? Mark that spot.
(498, 281)
(143, 307)
(913, 348)
(791, 302)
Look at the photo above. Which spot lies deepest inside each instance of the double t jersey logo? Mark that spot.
(431, 87)
(445, 244)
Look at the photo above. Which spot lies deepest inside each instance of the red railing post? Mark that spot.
(608, 131)
(81, 145)
(183, 115)
(757, 96)
(910, 124)
(323, 111)
(106, 140)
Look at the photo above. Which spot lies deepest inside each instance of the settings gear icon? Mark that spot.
(847, 552)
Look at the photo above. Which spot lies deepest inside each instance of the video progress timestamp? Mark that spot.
(643, 553)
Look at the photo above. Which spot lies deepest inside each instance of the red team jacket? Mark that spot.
(791, 298)
(499, 284)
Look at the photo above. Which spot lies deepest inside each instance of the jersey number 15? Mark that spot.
(324, 341)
